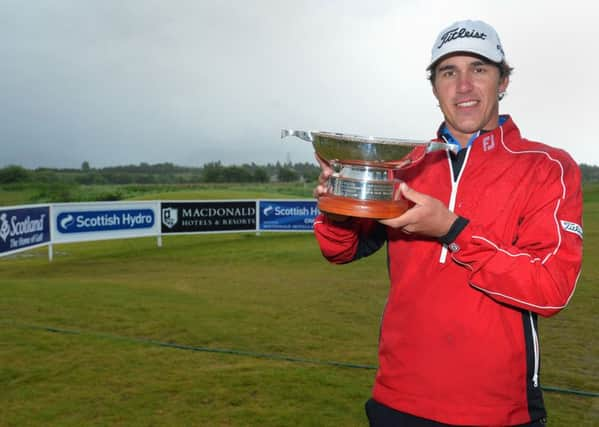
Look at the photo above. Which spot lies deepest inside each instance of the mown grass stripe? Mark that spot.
(268, 356)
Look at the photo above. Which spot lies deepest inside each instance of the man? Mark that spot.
(493, 239)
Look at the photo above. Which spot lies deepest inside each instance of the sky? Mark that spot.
(118, 82)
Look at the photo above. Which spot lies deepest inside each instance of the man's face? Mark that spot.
(467, 89)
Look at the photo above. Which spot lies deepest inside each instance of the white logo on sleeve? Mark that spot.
(572, 227)
(488, 143)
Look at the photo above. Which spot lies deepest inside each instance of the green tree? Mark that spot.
(287, 175)
(12, 174)
(214, 172)
(590, 173)
(237, 174)
(260, 175)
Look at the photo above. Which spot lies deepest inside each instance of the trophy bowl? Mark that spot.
(363, 183)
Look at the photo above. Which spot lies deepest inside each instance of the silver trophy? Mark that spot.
(363, 183)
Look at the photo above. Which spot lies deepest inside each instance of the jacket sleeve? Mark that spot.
(343, 242)
(539, 270)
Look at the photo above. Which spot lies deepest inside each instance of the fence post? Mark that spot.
(51, 231)
(258, 217)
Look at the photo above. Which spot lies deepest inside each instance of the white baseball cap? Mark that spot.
(468, 36)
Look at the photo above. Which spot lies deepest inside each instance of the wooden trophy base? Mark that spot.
(376, 209)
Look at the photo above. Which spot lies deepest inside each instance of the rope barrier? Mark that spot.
(268, 356)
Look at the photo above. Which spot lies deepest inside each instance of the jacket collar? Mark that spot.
(443, 134)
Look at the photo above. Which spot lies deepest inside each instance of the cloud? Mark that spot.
(196, 81)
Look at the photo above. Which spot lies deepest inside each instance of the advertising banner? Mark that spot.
(287, 215)
(23, 228)
(77, 222)
(213, 216)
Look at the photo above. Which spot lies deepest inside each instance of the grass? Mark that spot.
(230, 291)
(232, 191)
(17, 195)
(268, 294)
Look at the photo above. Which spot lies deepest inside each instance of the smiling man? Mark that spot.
(493, 240)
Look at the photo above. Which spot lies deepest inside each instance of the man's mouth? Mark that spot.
(466, 104)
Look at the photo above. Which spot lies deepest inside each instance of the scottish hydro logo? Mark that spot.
(287, 215)
(268, 210)
(290, 209)
(87, 221)
(66, 222)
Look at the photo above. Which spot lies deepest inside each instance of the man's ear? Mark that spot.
(503, 84)
(435, 91)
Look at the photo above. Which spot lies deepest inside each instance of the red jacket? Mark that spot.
(458, 339)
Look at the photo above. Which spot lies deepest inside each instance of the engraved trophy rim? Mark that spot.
(352, 148)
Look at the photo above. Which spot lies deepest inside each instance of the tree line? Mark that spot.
(168, 173)
(163, 173)
(589, 173)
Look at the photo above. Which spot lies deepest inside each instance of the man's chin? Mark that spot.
(467, 128)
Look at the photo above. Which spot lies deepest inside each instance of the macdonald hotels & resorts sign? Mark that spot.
(23, 228)
(213, 216)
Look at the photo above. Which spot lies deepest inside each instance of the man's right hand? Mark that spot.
(326, 171)
(323, 186)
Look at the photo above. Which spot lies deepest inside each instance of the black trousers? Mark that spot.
(380, 415)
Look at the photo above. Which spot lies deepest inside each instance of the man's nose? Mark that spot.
(464, 82)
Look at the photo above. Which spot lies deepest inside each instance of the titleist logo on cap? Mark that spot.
(460, 33)
(474, 37)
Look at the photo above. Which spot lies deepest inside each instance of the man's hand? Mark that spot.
(323, 187)
(429, 216)
(326, 172)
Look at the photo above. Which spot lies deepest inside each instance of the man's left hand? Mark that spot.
(428, 217)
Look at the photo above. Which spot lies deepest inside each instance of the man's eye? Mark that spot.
(448, 73)
(480, 70)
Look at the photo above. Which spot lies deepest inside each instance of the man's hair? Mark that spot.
(504, 71)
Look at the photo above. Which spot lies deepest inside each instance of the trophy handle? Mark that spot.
(436, 146)
(301, 134)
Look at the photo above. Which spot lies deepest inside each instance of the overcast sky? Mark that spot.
(117, 82)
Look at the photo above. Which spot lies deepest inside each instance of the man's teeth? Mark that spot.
(467, 104)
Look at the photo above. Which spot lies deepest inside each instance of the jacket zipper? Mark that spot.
(454, 193)
(535, 345)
